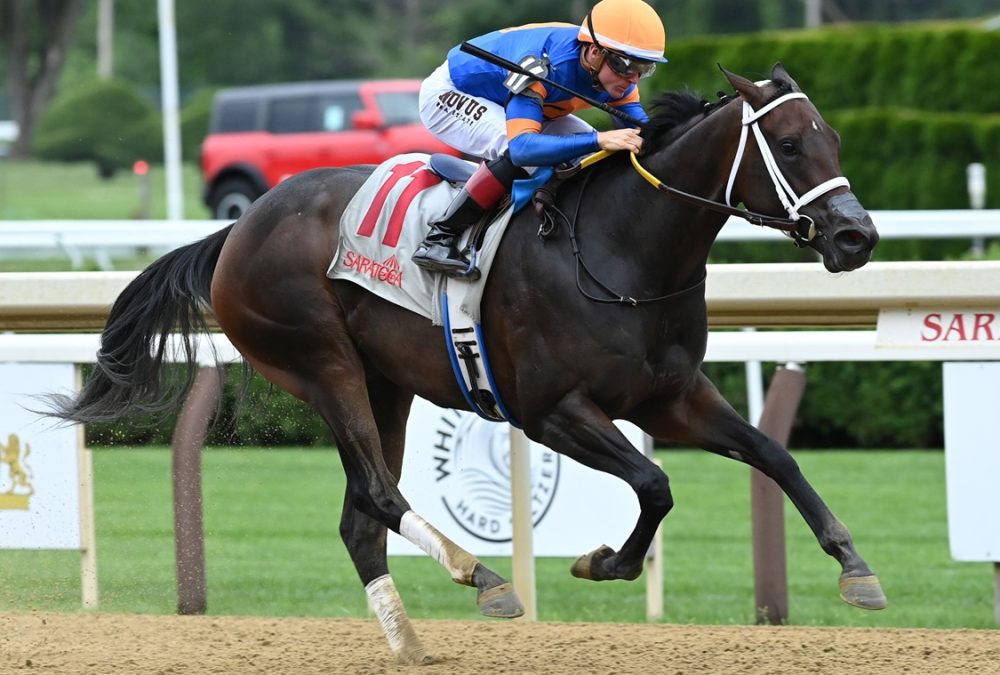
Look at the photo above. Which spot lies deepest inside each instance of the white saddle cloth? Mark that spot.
(384, 224)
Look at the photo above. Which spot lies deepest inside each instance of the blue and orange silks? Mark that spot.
(528, 111)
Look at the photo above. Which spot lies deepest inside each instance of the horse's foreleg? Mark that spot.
(580, 430)
(706, 420)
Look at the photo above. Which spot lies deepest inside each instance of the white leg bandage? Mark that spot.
(459, 562)
(388, 608)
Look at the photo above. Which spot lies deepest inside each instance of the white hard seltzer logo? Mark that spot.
(472, 471)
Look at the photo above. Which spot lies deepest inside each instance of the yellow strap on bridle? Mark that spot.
(604, 154)
(595, 157)
(650, 178)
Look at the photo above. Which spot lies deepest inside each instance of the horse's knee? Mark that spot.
(653, 491)
(347, 524)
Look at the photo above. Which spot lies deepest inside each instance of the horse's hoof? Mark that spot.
(500, 602)
(413, 657)
(864, 592)
(588, 566)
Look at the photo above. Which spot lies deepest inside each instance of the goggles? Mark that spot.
(626, 66)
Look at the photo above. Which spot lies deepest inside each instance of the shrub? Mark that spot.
(914, 104)
(908, 159)
(262, 415)
(103, 121)
(920, 66)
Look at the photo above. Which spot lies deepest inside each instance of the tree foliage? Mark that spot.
(101, 121)
(37, 35)
(235, 42)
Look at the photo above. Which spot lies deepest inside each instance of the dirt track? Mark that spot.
(103, 644)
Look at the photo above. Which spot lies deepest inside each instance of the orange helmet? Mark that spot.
(630, 27)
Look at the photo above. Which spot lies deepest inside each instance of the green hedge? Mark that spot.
(947, 68)
(110, 124)
(863, 405)
(914, 104)
(104, 121)
(846, 405)
(257, 415)
(907, 159)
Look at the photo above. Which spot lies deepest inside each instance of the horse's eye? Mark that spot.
(789, 148)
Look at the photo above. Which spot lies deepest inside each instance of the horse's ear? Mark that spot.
(778, 72)
(747, 89)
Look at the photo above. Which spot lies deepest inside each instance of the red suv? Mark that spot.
(258, 136)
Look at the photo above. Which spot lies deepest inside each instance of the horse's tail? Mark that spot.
(170, 297)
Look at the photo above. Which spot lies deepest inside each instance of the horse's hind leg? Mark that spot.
(372, 490)
(365, 542)
(706, 420)
(333, 380)
(365, 538)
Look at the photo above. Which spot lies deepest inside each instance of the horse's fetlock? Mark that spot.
(836, 539)
(631, 573)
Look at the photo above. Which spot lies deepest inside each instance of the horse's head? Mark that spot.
(798, 172)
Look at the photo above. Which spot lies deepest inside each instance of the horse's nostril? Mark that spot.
(852, 239)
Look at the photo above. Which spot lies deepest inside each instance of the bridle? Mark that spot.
(799, 227)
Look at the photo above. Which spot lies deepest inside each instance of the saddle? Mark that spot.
(543, 197)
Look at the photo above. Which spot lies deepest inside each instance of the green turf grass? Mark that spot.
(34, 190)
(273, 548)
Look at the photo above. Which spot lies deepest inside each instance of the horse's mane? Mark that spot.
(676, 112)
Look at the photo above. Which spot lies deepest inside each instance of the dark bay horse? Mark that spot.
(565, 363)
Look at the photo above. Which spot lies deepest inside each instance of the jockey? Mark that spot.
(467, 104)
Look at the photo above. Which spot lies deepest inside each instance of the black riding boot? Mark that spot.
(438, 252)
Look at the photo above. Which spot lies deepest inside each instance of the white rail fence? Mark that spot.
(99, 240)
(772, 295)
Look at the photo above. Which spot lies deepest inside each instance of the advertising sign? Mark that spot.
(456, 475)
(39, 472)
(972, 460)
(929, 328)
